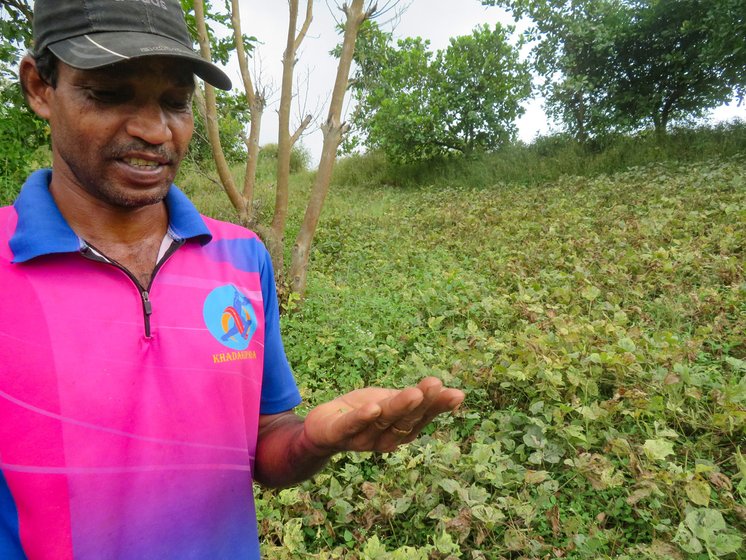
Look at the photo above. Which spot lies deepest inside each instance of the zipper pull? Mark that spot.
(146, 303)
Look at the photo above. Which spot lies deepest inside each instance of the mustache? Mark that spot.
(119, 152)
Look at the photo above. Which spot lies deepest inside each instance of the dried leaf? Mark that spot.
(719, 480)
(369, 489)
(535, 477)
(640, 493)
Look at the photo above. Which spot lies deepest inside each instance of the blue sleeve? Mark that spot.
(279, 391)
(10, 543)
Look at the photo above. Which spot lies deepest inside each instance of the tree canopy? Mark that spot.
(417, 104)
(624, 65)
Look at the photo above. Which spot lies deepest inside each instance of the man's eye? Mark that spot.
(179, 103)
(106, 95)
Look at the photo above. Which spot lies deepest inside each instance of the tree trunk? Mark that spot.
(211, 120)
(257, 103)
(333, 130)
(581, 134)
(661, 125)
(285, 140)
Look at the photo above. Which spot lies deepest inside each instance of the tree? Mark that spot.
(573, 43)
(356, 13)
(21, 132)
(672, 61)
(275, 237)
(333, 129)
(483, 86)
(414, 104)
(234, 122)
(243, 199)
(626, 64)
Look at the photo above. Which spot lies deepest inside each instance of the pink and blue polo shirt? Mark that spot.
(128, 415)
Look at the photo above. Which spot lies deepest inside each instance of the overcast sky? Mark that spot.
(436, 20)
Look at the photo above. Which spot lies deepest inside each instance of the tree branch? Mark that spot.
(306, 24)
(241, 52)
(211, 117)
(303, 125)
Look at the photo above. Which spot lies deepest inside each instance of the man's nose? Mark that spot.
(150, 123)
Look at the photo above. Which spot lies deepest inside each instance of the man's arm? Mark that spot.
(291, 449)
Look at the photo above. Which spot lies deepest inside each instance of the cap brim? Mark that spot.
(95, 50)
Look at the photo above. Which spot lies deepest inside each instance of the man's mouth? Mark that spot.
(142, 163)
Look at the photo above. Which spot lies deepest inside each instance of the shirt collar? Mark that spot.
(42, 230)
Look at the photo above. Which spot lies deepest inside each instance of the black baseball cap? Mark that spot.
(88, 34)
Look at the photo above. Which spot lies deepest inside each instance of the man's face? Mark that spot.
(120, 133)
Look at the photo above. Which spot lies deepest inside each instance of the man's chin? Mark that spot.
(132, 199)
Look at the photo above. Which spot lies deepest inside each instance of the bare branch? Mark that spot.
(241, 52)
(302, 106)
(303, 125)
(306, 24)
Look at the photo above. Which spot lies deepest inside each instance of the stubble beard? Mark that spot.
(120, 196)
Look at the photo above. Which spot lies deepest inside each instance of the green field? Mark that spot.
(598, 326)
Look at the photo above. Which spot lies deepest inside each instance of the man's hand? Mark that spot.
(291, 449)
(374, 419)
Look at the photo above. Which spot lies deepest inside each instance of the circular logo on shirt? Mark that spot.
(229, 317)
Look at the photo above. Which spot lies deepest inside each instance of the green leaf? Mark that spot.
(590, 293)
(687, 541)
(698, 491)
(725, 543)
(704, 523)
(736, 364)
(658, 449)
(449, 485)
(627, 344)
(292, 536)
(445, 545)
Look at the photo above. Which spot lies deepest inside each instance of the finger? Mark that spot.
(400, 405)
(447, 401)
(404, 421)
(437, 401)
(350, 423)
(431, 388)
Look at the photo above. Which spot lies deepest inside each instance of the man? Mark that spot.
(143, 383)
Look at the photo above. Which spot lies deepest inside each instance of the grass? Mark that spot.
(549, 158)
(596, 322)
(591, 303)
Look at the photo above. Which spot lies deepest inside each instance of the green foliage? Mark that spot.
(300, 158)
(234, 120)
(417, 105)
(670, 62)
(22, 135)
(547, 159)
(596, 324)
(232, 107)
(616, 65)
(218, 23)
(15, 34)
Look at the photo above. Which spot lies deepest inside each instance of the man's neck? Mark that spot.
(130, 236)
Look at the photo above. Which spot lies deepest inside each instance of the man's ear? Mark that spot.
(34, 88)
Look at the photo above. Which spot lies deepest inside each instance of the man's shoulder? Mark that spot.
(222, 229)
